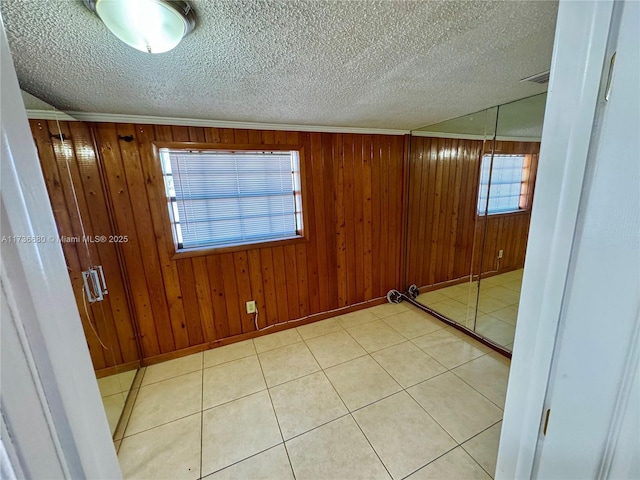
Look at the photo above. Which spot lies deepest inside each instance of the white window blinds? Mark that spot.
(223, 198)
(507, 178)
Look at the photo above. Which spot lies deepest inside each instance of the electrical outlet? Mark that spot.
(500, 253)
(251, 306)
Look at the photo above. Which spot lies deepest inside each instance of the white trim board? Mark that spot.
(200, 122)
(49, 115)
(195, 122)
(464, 136)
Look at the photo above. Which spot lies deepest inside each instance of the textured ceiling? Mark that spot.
(382, 64)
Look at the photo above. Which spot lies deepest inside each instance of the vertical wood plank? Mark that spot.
(269, 285)
(279, 269)
(243, 280)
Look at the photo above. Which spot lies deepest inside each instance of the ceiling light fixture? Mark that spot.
(153, 26)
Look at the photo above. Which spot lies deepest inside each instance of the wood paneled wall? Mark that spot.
(444, 236)
(353, 201)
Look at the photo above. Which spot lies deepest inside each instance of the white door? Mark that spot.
(593, 428)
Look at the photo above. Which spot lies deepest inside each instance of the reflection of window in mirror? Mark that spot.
(509, 184)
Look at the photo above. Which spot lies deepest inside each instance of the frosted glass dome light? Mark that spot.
(153, 26)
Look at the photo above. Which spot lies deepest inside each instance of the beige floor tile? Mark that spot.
(306, 403)
(457, 407)
(130, 401)
(470, 340)
(496, 280)
(361, 381)
(272, 464)
(455, 465)
(515, 274)
(237, 430)
(447, 348)
(335, 348)
(169, 452)
(487, 375)
(165, 401)
(500, 332)
(375, 336)
(228, 353)
(484, 448)
(113, 406)
(407, 364)
(504, 294)
(387, 309)
(501, 358)
(287, 363)
(456, 290)
(231, 380)
(110, 385)
(452, 309)
(413, 323)
(428, 298)
(126, 379)
(508, 314)
(276, 340)
(515, 285)
(336, 451)
(487, 304)
(404, 436)
(359, 317)
(172, 368)
(317, 329)
(468, 300)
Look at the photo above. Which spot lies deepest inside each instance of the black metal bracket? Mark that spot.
(126, 138)
(59, 136)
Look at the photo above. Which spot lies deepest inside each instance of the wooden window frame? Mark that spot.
(176, 253)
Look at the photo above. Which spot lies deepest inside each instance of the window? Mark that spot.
(222, 198)
(509, 184)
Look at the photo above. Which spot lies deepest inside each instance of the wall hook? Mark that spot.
(59, 136)
(126, 138)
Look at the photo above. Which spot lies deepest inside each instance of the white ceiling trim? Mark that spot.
(48, 115)
(465, 136)
(198, 122)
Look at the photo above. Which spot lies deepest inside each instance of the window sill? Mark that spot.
(201, 252)
(505, 214)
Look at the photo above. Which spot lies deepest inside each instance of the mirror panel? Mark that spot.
(443, 179)
(74, 184)
(509, 180)
(471, 184)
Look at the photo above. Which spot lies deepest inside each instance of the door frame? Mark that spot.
(580, 44)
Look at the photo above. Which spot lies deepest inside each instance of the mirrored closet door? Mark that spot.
(91, 247)
(471, 186)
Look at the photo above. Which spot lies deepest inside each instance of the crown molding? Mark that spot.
(199, 122)
(48, 115)
(463, 136)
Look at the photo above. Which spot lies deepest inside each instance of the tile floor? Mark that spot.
(114, 390)
(497, 310)
(387, 392)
